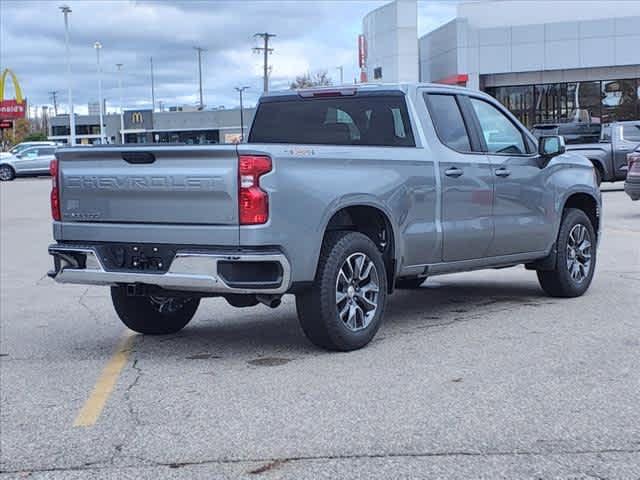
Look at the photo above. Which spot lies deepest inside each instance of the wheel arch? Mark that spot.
(373, 221)
(588, 204)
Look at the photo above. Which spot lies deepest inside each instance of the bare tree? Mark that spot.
(309, 80)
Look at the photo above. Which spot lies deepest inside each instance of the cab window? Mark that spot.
(500, 134)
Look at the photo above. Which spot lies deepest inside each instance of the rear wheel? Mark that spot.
(344, 308)
(575, 257)
(153, 315)
(6, 173)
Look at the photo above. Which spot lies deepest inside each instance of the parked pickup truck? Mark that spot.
(609, 156)
(339, 196)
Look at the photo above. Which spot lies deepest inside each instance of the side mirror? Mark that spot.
(551, 146)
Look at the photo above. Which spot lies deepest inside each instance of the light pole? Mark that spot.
(119, 67)
(200, 50)
(341, 69)
(240, 90)
(98, 47)
(66, 10)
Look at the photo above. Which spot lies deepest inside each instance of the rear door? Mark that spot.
(45, 155)
(467, 180)
(192, 186)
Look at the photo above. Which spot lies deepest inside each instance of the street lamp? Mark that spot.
(240, 90)
(119, 66)
(98, 47)
(66, 10)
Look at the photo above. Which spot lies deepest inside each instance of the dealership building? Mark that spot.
(545, 61)
(147, 126)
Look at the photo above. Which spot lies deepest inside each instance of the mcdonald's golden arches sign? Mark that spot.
(14, 108)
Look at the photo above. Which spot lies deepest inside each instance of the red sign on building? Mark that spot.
(362, 51)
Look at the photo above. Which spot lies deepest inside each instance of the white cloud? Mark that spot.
(311, 35)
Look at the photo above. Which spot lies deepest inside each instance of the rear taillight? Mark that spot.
(253, 202)
(55, 193)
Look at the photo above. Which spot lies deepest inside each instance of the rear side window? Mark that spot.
(631, 132)
(366, 120)
(447, 118)
(46, 151)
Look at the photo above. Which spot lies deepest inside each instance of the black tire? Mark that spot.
(317, 307)
(598, 174)
(559, 282)
(153, 315)
(409, 283)
(7, 173)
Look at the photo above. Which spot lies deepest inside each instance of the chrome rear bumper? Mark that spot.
(189, 271)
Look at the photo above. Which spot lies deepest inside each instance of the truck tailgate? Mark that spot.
(170, 185)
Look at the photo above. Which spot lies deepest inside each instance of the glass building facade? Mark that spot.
(597, 102)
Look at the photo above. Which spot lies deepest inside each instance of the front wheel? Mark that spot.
(6, 173)
(575, 257)
(343, 310)
(153, 315)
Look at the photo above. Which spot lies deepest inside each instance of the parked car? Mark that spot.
(23, 146)
(632, 182)
(30, 161)
(339, 196)
(609, 156)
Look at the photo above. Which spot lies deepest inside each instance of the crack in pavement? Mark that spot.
(304, 458)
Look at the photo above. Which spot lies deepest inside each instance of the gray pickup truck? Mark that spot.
(609, 155)
(339, 196)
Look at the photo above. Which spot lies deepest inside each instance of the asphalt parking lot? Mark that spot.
(473, 376)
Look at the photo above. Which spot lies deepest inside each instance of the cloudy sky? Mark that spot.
(311, 36)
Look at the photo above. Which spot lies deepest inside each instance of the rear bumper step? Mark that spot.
(206, 272)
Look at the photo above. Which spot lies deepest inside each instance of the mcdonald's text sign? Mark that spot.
(12, 109)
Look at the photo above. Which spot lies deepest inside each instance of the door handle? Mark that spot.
(453, 172)
(503, 172)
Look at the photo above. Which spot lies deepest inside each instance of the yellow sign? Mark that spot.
(16, 85)
(136, 117)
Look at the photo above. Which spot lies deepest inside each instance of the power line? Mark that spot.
(200, 50)
(266, 51)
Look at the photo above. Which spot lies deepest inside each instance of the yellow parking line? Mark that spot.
(92, 408)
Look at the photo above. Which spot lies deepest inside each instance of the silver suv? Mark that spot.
(32, 160)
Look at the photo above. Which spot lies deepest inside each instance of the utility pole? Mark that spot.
(66, 10)
(340, 68)
(266, 51)
(153, 89)
(240, 90)
(54, 96)
(45, 120)
(200, 50)
(98, 47)
(119, 67)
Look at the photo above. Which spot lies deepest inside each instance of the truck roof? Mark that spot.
(368, 87)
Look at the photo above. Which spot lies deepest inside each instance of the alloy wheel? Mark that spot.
(579, 253)
(357, 291)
